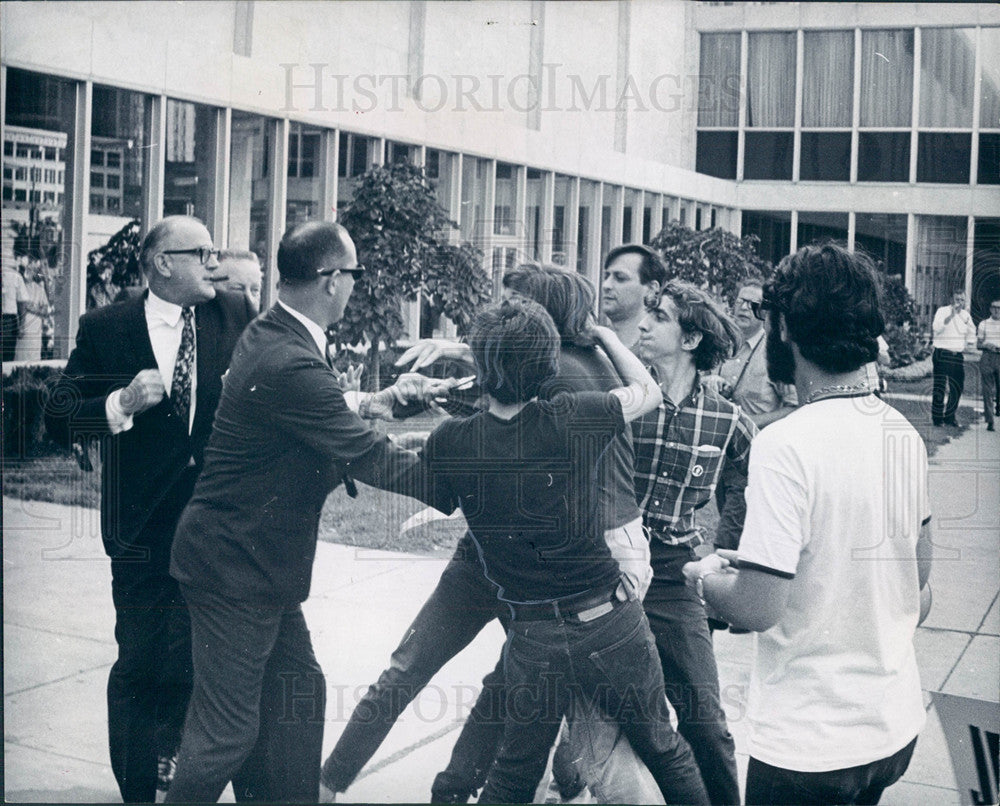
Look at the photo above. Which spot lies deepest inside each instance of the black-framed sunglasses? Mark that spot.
(204, 253)
(354, 271)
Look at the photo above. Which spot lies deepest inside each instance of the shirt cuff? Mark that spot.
(118, 420)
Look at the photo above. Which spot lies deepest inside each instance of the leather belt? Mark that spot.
(580, 607)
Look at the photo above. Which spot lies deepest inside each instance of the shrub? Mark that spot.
(25, 391)
(907, 342)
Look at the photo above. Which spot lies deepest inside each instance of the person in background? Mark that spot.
(239, 270)
(15, 303)
(988, 340)
(29, 339)
(835, 554)
(631, 272)
(952, 331)
(144, 379)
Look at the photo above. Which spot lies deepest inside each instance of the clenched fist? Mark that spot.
(144, 392)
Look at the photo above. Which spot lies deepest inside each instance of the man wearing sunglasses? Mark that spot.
(144, 380)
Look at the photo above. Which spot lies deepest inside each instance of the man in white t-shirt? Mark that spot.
(988, 340)
(835, 551)
(953, 331)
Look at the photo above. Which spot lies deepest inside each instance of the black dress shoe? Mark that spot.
(938, 423)
(989, 427)
(951, 421)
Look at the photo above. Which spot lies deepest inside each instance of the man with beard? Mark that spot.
(835, 553)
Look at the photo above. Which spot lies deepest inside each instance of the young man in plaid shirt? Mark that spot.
(681, 451)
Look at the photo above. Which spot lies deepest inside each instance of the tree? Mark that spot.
(712, 259)
(116, 264)
(401, 233)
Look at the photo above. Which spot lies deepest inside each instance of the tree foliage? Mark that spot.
(401, 233)
(907, 343)
(714, 259)
(121, 255)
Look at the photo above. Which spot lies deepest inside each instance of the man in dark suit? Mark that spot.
(145, 378)
(284, 437)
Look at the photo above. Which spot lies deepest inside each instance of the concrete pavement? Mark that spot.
(59, 645)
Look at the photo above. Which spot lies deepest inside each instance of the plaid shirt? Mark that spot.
(680, 453)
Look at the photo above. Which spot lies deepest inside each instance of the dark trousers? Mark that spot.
(949, 381)
(258, 706)
(463, 602)
(150, 682)
(677, 619)
(863, 784)
(610, 662)
(989, 375)
(8, 335)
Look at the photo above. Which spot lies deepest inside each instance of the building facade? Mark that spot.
(553, 130)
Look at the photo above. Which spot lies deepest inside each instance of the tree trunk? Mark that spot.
(374, 381)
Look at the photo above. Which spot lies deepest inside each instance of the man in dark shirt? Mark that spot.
(571, 619)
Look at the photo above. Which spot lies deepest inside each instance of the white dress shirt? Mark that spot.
(165, 326)
(955, 335)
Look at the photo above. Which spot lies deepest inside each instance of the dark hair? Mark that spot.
(697, 312)
(566, 295)
(652, 269)
(306, 248)
(831, 303)
(755, 280)
(154, 239)
(516, 349)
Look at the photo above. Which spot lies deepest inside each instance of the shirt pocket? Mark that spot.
(703, 466)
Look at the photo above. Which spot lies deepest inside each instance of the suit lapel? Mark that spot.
(136, 333)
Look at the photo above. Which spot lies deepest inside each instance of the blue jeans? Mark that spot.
(463, 602)
(677, 619)
(862, 784)
(611, 662)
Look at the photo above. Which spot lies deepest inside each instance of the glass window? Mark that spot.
(8, 148)
(883, 156)
(585, 226)
(773, 228)
(8, 193)
(534, 198)
(114, 159)
(985, 260)
(505, 199)
(399, 152)
(441, 169)
(96, 157)
(647, 223)
(821, 227)
(947, 76)
(827, 78)
(560, 219)
(940, 247)
(21, 173)
(943, 157)
(250, 140)
(305, 179)
(355, 157)
(113, 182)
(770, 80)
(989, 159)
(42, 110)
(768, 155)
(989, 104)
(882, 236)
(886, 78)
(631, 214)
(826, 157)
(474, 214)
(189, 169)
(717, 154)
(719, 80)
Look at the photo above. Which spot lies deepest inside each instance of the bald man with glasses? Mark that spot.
(144, 381)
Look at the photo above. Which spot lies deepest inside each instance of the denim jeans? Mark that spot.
(611, 662)
(677, 619)
(862, 784)
(463, 602)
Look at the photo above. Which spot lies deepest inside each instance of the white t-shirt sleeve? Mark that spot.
(776, 526)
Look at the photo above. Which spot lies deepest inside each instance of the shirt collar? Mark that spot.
(318, 334)
(691, 398)
(754, 340)
(167, 312)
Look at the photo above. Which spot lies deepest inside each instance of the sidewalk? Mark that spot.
(59, 645)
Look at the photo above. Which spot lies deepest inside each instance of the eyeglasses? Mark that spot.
(354, 271)
(745, 303)
(204, 253)
(761, 308)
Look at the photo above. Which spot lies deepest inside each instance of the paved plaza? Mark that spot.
(58, 644)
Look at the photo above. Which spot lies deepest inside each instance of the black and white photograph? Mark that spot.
(500, 401)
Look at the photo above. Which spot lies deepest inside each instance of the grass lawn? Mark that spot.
(373, 519)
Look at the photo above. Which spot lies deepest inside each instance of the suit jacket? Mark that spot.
(144, 483)
(283, 439)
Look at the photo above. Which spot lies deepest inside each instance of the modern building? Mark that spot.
(553, 130)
